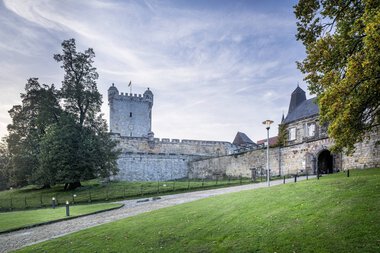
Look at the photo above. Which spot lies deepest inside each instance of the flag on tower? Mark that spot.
(130, 83)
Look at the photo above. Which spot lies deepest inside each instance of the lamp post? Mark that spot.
(267, 123)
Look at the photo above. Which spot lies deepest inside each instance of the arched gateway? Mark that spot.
(325, 162)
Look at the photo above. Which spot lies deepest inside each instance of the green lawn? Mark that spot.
(14, 220)
(333, 214)
(96, 191)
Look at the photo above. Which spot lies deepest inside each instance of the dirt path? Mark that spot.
(22, 238)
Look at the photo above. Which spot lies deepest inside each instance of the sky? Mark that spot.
(215, 67)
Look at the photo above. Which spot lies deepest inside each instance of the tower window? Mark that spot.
(130, 114)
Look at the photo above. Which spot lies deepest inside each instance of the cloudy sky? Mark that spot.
(215, 67)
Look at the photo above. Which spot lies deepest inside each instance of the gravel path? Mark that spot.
(18, 239)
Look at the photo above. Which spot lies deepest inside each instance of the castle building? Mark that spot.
(306, 150)
(143, 157)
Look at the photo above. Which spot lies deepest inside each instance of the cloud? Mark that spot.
(213, 71)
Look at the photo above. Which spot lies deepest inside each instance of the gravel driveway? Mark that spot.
(18, 239)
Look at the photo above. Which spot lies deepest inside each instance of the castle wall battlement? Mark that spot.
(174, 146)
(130, 96)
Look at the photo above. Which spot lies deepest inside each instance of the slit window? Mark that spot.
(130, 115)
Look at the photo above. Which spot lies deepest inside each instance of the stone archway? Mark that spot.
(325, 162)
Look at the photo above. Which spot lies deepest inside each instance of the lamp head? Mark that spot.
(267, 123)
(52, 198)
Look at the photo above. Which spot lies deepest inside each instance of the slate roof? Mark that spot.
(306, 109)
(242, 139)
(298, 96)
(272, 141)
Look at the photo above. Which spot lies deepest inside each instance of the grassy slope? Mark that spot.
(19, 219)
(334, 214)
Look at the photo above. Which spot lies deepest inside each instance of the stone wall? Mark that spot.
(292, 159)
(174, 146)
(367, 153)
(152, 167)
(145, 159)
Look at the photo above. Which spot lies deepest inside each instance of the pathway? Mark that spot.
(18, 239)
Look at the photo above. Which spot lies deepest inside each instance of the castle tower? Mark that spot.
(298, 96)
(130, 114)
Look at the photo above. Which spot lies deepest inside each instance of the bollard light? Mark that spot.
(67, 208)
(53, 202)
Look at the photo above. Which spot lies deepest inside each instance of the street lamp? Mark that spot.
(267, 124)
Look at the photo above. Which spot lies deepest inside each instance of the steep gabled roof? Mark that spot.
(242, 139)
(298, 96)
(306, 109)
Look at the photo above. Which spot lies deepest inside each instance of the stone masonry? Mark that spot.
(145, 158)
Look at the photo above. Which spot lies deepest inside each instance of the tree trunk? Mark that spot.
(46, 186)
(72, 185)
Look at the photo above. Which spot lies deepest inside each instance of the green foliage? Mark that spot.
(282, 135)
(333, 214)
(39, 108)
(49, 144)
(342, 40)
(4, 166)
(79, 89)
(20, 219)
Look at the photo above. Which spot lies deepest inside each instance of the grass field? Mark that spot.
(96, 191)
(19, 219)
(333, 214)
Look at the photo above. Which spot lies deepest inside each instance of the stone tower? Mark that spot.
(130, 114)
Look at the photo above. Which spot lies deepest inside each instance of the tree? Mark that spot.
(71, 153)
(4, 166)
(40, 108)
(342, 66)
(79, 89)
(95, 153)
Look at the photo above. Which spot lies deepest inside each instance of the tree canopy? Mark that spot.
(49, 143)
(342, 66)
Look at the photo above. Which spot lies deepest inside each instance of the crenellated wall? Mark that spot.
(145, 159)
(174, 146)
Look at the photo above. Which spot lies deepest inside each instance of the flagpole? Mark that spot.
(130, 87)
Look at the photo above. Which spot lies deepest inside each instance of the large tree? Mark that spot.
(39, 109)
(95, 153)
(342, 66)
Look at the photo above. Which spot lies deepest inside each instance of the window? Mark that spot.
(292, 134)
(311, 130)
(130, 114)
